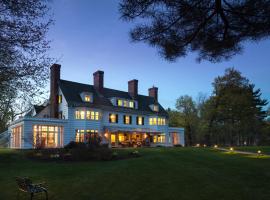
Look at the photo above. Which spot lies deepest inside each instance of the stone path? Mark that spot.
(241, 152)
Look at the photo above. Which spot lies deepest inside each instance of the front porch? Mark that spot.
(134, 138)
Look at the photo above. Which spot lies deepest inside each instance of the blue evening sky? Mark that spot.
(89, 36)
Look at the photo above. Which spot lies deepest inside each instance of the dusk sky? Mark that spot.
(89, 36)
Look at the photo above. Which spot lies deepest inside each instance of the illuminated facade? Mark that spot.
(79, 112)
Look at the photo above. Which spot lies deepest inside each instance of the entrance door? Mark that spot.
(175, 138)
(113, 140)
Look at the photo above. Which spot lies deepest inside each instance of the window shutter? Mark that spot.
(116, 118)
(124, 119)
(137, 120)
(110, 118)
(142, 120)
(130, 119)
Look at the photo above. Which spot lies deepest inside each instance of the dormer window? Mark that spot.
(155, 108)
(124, 103)
(87, 98)
(119, 102)
(131, 104)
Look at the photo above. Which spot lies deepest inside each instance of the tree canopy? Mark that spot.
(215, 29)
(23, 52)
(235, 113)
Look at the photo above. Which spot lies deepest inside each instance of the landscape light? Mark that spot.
(215, 146)
(197, 145)
(231, 149)
(204, 145)
(259, 152)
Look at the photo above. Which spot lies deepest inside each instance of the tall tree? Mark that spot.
(216, 29)
(236, 110)
(187, 108)
(23, 51)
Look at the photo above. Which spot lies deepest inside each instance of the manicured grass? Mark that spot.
(161, 173)
(263, 149)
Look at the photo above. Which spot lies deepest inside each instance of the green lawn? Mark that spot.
(161, 173)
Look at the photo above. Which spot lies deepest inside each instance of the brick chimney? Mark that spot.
(153, 92)
(133, 88)
(54, 87)
(99, 80)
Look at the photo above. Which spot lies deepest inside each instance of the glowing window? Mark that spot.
(82, 114)
(125, 103)
(119, 102)
(59, 99)
(150, 121)
(92, 115)
(113, 118)
(96, 115)
(79, 137)
(140, 120)
(87, 98)
(127, 119)
(154, 121)
(77, 114)
(88, 114)
(47, 136)
(121, 137)
(155, 108)
(131, 104)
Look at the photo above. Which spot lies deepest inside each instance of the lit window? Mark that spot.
(96, 115)
(88, 116)
(125, 103)
(150, 121)
(154, 121)
(59, 99)
(113, 118)
(92, 115)
(127, 119)
(47, 136)
(131, 104)
(77, 114)
(140, 120)
(159, 121)
(87, 98)
(121, 137)
(82, 114)
(159, 138)
(79, 137)
(155, 108)
(119, 102)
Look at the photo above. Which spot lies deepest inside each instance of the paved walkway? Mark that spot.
(241, 152)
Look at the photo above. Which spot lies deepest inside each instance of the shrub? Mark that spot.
(135, 153)
(177, 145)
(114, 154)
(77, 145)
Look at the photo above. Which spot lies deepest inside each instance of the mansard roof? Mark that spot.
(72, 91)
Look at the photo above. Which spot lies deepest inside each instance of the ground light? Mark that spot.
(215, 146)
(259, 153)
(204, 145)
(231, 149)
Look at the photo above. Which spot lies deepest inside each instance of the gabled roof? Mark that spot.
(72, 91)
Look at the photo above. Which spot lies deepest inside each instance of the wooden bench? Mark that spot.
(26, 185)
